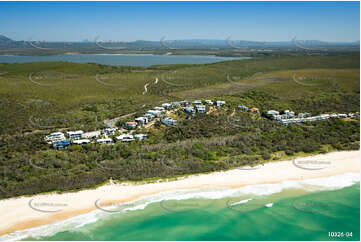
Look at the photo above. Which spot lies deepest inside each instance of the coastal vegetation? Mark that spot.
(39, 98)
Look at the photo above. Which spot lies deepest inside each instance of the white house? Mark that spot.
(75, 134)
(140, 136)
(141, 120)
(201, 108)
(149, 116)
(197, 102)
(104, 141)
(155, 113)
(175, 104)
(209, 102)
(161, 109)
(125, 137)
(169, 121)
(220, 103)
(108, 131)
(273, 112)
(54, 137)
(81, 141)
(189, 110)
(166, 105)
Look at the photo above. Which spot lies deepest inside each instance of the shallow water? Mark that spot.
(125, 60)
(298, 210)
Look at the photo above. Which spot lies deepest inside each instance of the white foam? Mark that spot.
(317, 184)
(268, 205)
(241, 202)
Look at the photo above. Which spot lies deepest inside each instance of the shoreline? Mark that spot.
(44, 209)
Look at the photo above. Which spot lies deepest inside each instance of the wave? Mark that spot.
(317, 184)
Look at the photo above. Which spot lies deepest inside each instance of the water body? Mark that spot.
(124, 60)
(293, 210)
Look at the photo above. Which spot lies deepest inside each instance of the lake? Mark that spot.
(120, 59)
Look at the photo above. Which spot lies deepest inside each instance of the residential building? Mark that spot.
(105, 141)
(75, 134)
(242, 107)
(185, 103)
(210, 102)
(197, 102)
(155, 113)
(130, 124)
(108, 131)
(125, 137)
(189, 110)
(141, 120)
(81, 142)
(61, 144)
(161, 109)
(140, 136)
(149, 116)
(53, 137)
(169, 121)
(220, 103)
(255, 110)
(166, 105)
(175, 104)
(201, 108)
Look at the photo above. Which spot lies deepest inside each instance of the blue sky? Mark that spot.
(128, 21)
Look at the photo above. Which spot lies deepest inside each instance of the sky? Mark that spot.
(129, 21)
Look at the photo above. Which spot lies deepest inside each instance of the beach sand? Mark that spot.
(31, 211)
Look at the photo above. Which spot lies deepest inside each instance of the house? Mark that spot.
(351, 115)
(149, 116)
(272, 113)
(303, 115)
(140, 136)
(169, 121)
(220, 103)
(141, 120)
(197, 102)
(175, 104)
(81, 142)
(61, 144)
(166, 105)
(75, 134)
(255, 110)
(161, 109)
(284, 121)
(185, 103)
(155, 113)
(324, 116)
(130, 124)
(334, 115)
(53, 137)
(108, 131)
(342, 115)
(125, 137)
(201, 108)
(209, 102)
(242, 107)
(189, 110)
(104, 141)
(89, 135)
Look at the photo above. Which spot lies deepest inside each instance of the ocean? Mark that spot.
(124, 60)
(314, 209)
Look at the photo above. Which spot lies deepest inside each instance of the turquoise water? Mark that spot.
(293, 214)
(125, 60)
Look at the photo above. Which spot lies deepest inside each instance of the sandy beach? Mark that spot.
(32, 211)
